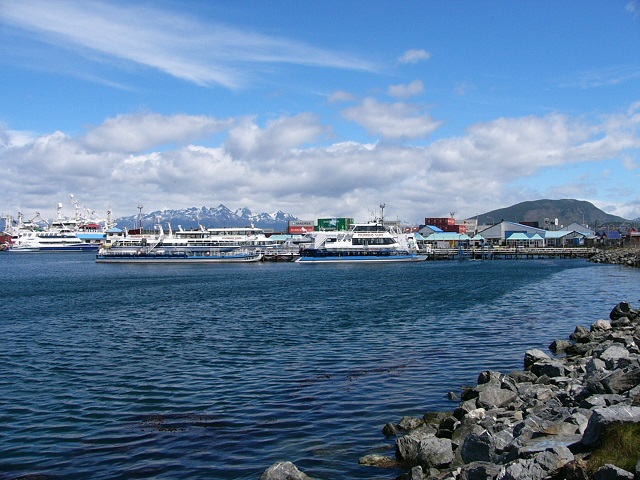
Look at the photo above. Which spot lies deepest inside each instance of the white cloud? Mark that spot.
(392, 120)
(405, 91)
(139, 132)
(340, 96)
(174, 43)
(247, 139)
(414, 56)
(284, 166)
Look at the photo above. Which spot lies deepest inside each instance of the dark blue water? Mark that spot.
(216, 372)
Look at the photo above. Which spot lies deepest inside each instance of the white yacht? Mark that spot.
(364, 242)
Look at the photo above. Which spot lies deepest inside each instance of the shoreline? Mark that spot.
(629, 256)
(544, 421)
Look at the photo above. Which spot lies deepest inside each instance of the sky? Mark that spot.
(319, 109)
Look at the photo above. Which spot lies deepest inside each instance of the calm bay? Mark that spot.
(200, 372)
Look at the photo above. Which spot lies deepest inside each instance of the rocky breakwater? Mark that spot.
(629, 256)
(548, 420)
(541, 422)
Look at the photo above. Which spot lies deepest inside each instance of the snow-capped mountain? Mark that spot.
(219, 216)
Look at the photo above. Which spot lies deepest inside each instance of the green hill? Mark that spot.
(567, 211)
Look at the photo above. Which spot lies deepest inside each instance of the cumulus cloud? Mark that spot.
(139, 132)
(414, 56)
(392, 120)
(405, 91)
(247, 139)
(284, 164)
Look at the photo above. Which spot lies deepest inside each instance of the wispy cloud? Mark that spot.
(414, 56)
(203, 53)
(603, 78)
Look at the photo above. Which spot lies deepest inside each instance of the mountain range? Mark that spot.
(545, 212)
(567, 211)
(219, 216)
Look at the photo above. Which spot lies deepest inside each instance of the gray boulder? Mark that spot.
(602, 417)
(489, 376)
(479, 471)
(623, 309)
(283, 471)
(539, 467)
(533, 356)
(495, 397)
(622, 380)
(580, 335)
(407, 447)
(559, 345)
(478, 448)
(435, 452)
(611, 472)
(550, 368)
(522, 376)
(613, 355)
(601, 326)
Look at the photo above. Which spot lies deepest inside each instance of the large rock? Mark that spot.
(479, 471)
(623, 309)
(435, 452)
(407, 447)
(611, 472)
(283, 471)
(533, 356)
(478, 448)
(601, 326)
(539, 467)
(550, 368)
(613, 355)
(622, 380)
(602, 417)
(495, 397)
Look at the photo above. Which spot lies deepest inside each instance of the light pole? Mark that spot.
(140, 207)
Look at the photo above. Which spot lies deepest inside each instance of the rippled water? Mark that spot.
(217, 372)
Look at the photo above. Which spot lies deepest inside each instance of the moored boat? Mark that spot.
(64, 234)
(364, 242)
(197, 240)
(179, 256)
(50, 241)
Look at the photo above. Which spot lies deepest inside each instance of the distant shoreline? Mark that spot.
(629, 256)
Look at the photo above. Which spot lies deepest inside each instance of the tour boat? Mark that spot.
(197, 240)
(147, 256)
(364, 242)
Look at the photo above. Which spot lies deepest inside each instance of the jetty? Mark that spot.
(510, 253)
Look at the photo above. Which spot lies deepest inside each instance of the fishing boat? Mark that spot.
(64, 234)
(148, 256)
(363, 243)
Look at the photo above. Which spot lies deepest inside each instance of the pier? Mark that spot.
(510, 253)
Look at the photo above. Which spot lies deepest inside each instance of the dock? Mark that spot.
(511, 253)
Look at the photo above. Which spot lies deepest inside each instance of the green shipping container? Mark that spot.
(334, 223)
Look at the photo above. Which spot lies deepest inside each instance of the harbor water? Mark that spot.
(219, 371)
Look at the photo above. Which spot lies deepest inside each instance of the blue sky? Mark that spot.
(319, 108)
